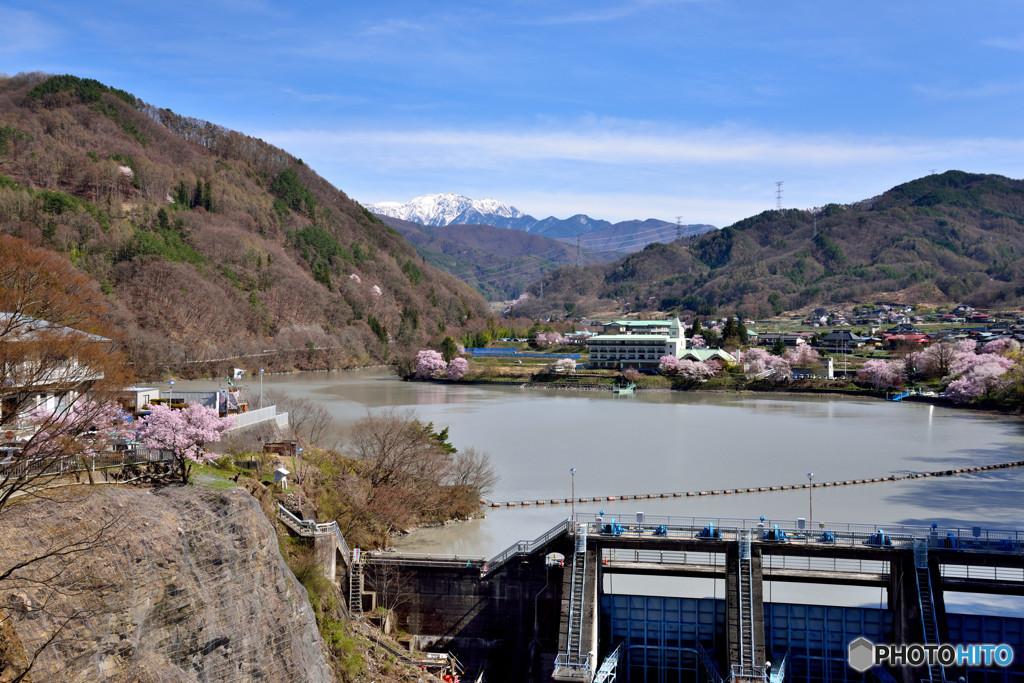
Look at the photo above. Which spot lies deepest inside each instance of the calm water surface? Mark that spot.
(673, 441)
(667, 442)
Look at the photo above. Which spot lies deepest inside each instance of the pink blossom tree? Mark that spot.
(428, 363)
(457, 368)
(668, 365)
(756, 361)
(548, 338)
(882, 374)
(697, 341)
(568, 364)
(802, 356)
(1001, 347)
(979, 374)
(697, 371)
(781, 370)
(184, 433)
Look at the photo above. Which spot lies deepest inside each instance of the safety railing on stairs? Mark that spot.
(607, 672)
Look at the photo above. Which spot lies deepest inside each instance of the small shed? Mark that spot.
(281, 477)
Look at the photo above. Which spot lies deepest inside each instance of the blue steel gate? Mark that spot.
(660, 635)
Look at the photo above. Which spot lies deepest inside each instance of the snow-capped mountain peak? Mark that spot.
(445, 209)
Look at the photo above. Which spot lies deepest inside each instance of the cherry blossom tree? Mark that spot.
(979, 374)
(668, 365)
(568, 363)
(457, 368)
(184, 433)
(548, 338)
(967, 363)
(697, 342)
(781, 370)
(1002, 347)
(697, 371)
(802, 356)
(882, 374)
(756, 361)
(429, 363)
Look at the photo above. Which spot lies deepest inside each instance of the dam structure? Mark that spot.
(540, 610)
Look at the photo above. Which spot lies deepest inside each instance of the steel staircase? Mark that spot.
(574, 663)
(927, 605)
(355, 587)
(579, 575)
(746, 603)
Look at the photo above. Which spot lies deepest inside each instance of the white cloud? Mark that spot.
(1015, 44)
(619, 170)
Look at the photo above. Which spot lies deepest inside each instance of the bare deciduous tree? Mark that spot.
(308, 419)
(58, 382)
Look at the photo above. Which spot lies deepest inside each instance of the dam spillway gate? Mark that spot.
(539, 611)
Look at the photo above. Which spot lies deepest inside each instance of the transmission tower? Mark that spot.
(679, 228)
(577, 250)
(778, 195)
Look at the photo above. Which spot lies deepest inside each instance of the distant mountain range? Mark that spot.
(453, 209)
(501, 263)
(500, 250)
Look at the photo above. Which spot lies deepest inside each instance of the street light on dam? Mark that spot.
(810, 499)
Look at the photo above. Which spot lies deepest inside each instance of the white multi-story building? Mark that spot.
(636, 343)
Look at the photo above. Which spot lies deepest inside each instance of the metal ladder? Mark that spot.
(926, 604)
(355, 587)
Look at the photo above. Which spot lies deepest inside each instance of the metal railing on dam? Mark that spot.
(791, 532)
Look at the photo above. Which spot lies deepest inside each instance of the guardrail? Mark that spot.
(607, 671)
(252, 417)
(573, 666)
(15, 466)
(832, 533)
(527, 547)
(307, 527)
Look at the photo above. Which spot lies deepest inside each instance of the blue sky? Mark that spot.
(620, 110)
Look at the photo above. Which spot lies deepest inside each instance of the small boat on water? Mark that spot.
(623, 389)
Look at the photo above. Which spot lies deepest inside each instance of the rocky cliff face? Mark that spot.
(173, 584)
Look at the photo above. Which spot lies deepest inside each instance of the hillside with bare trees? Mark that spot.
(213, 249)
(953, 237)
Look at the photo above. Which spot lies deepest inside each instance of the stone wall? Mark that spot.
(171, 584)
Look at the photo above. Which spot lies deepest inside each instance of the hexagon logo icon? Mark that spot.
(861, 654)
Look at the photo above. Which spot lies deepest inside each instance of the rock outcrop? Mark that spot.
(172, 584)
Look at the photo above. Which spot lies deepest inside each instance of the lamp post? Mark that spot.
(572, 476)
(810, 499)
(298, 476)
(261, 387)
(170, 393)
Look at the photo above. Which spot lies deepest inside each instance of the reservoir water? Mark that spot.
(682, 441)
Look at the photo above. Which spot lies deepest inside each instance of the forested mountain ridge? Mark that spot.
(950, 237)
(501, 263)
(209, 243)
